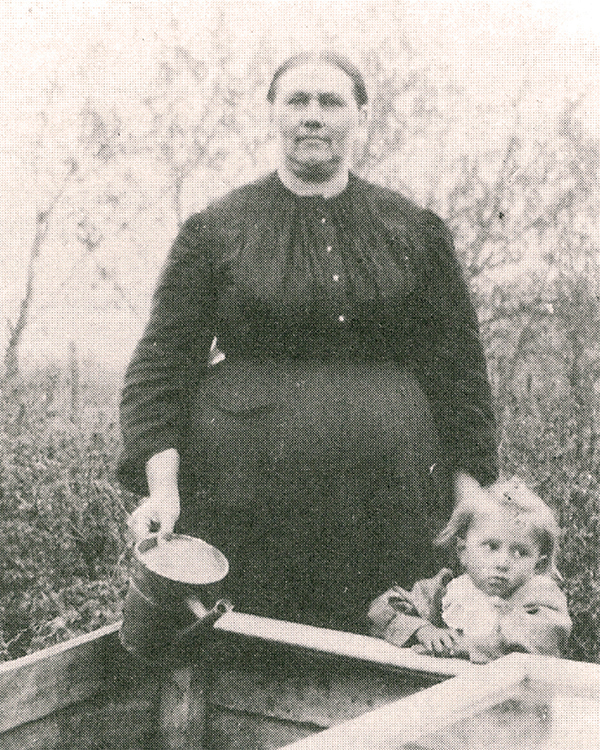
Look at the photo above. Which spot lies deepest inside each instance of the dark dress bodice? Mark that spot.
(363, 275)
(353, 376)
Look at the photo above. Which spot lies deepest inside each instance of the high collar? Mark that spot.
(326, 191)
(339, 197)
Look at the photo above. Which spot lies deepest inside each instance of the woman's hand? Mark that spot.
(466, 486)
(438, 641)
(160, 511)
(157, 513)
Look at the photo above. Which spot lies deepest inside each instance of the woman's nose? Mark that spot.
(312, 115)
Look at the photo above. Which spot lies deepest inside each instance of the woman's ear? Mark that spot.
(363, 115)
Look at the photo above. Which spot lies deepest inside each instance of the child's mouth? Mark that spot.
(497, 582)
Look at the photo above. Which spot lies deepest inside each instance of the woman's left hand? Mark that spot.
(465, 486)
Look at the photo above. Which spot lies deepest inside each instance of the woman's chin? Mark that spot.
(313, 169)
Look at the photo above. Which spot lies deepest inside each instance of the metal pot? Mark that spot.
(173, 595)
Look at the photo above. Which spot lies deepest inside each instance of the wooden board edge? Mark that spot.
(338, 643)
(41, 683)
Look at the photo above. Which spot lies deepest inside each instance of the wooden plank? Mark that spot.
(44, 733)
(234, 731)
(428, 710)
(43, 682)
(335, 642)
(465, 696)
(304, 687)
(182, 708)
(577, 676)
(126, 719)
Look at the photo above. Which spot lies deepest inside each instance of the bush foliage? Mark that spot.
(62, 516)
(64, 566)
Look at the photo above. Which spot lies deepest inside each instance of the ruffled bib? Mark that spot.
(469, 610)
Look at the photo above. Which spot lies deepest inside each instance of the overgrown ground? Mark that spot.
(64, 561)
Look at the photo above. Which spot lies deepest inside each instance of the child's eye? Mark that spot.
(490, 544)
(522, 552)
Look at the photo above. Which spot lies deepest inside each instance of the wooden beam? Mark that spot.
(338, 643)
(48, 680)
(44, 682)
(182, 708)
(429, 710)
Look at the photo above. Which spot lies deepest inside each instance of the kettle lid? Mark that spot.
(182, 558)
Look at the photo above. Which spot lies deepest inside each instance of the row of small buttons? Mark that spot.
(335, 277)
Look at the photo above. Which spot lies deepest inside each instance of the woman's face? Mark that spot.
(317, 120)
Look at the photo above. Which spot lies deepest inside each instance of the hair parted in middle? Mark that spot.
(324, 56)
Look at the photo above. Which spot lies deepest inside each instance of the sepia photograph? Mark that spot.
(300, 375)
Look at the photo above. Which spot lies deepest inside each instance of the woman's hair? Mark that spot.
(515, 497)
(331, 58)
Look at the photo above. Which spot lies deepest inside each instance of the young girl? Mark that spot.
(506, 598)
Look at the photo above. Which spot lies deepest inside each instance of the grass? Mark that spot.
(64, 566)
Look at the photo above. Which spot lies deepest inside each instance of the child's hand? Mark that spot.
(438, 641)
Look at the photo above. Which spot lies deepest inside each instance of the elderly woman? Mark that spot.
(319, 442)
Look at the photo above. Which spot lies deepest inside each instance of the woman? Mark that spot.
(317, 444)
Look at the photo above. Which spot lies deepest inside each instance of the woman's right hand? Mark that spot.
(157, 513)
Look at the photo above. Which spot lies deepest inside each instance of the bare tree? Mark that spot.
(11, 354)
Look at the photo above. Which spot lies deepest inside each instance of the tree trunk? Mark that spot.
(11, 355)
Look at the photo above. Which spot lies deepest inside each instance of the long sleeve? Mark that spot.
(538, 621)
(170, 356)
(447, 356)
(397, 614)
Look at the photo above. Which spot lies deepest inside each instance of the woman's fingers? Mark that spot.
(152, 516)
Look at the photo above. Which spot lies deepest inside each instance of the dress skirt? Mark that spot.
(321, 481)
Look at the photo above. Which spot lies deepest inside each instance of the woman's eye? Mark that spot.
(328, 100)
(298, 100)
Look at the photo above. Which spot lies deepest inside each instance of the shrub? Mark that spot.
(64, 566)
(62, 516)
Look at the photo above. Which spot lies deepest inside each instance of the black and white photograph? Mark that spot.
(300, 375)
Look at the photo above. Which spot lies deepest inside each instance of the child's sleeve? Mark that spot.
(397, 614)
(538, 621)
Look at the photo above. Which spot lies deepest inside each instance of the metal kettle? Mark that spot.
(173, 595)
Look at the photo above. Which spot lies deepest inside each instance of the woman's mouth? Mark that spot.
(312, 139)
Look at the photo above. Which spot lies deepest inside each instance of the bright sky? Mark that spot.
(485, 47)
(36, 35)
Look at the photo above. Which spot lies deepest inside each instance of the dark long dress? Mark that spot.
(317, 454)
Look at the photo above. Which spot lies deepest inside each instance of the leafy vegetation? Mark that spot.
(522, 204)
(65, 558)
(62, 515)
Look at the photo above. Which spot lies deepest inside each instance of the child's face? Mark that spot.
(499, 553)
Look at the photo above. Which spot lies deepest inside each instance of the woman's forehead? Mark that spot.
(316, 77)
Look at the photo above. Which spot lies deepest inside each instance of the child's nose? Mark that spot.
(502, 560)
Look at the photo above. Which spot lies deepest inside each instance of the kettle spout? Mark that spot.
(206, 618)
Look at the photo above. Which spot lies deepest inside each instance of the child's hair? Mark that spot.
(514, 496)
